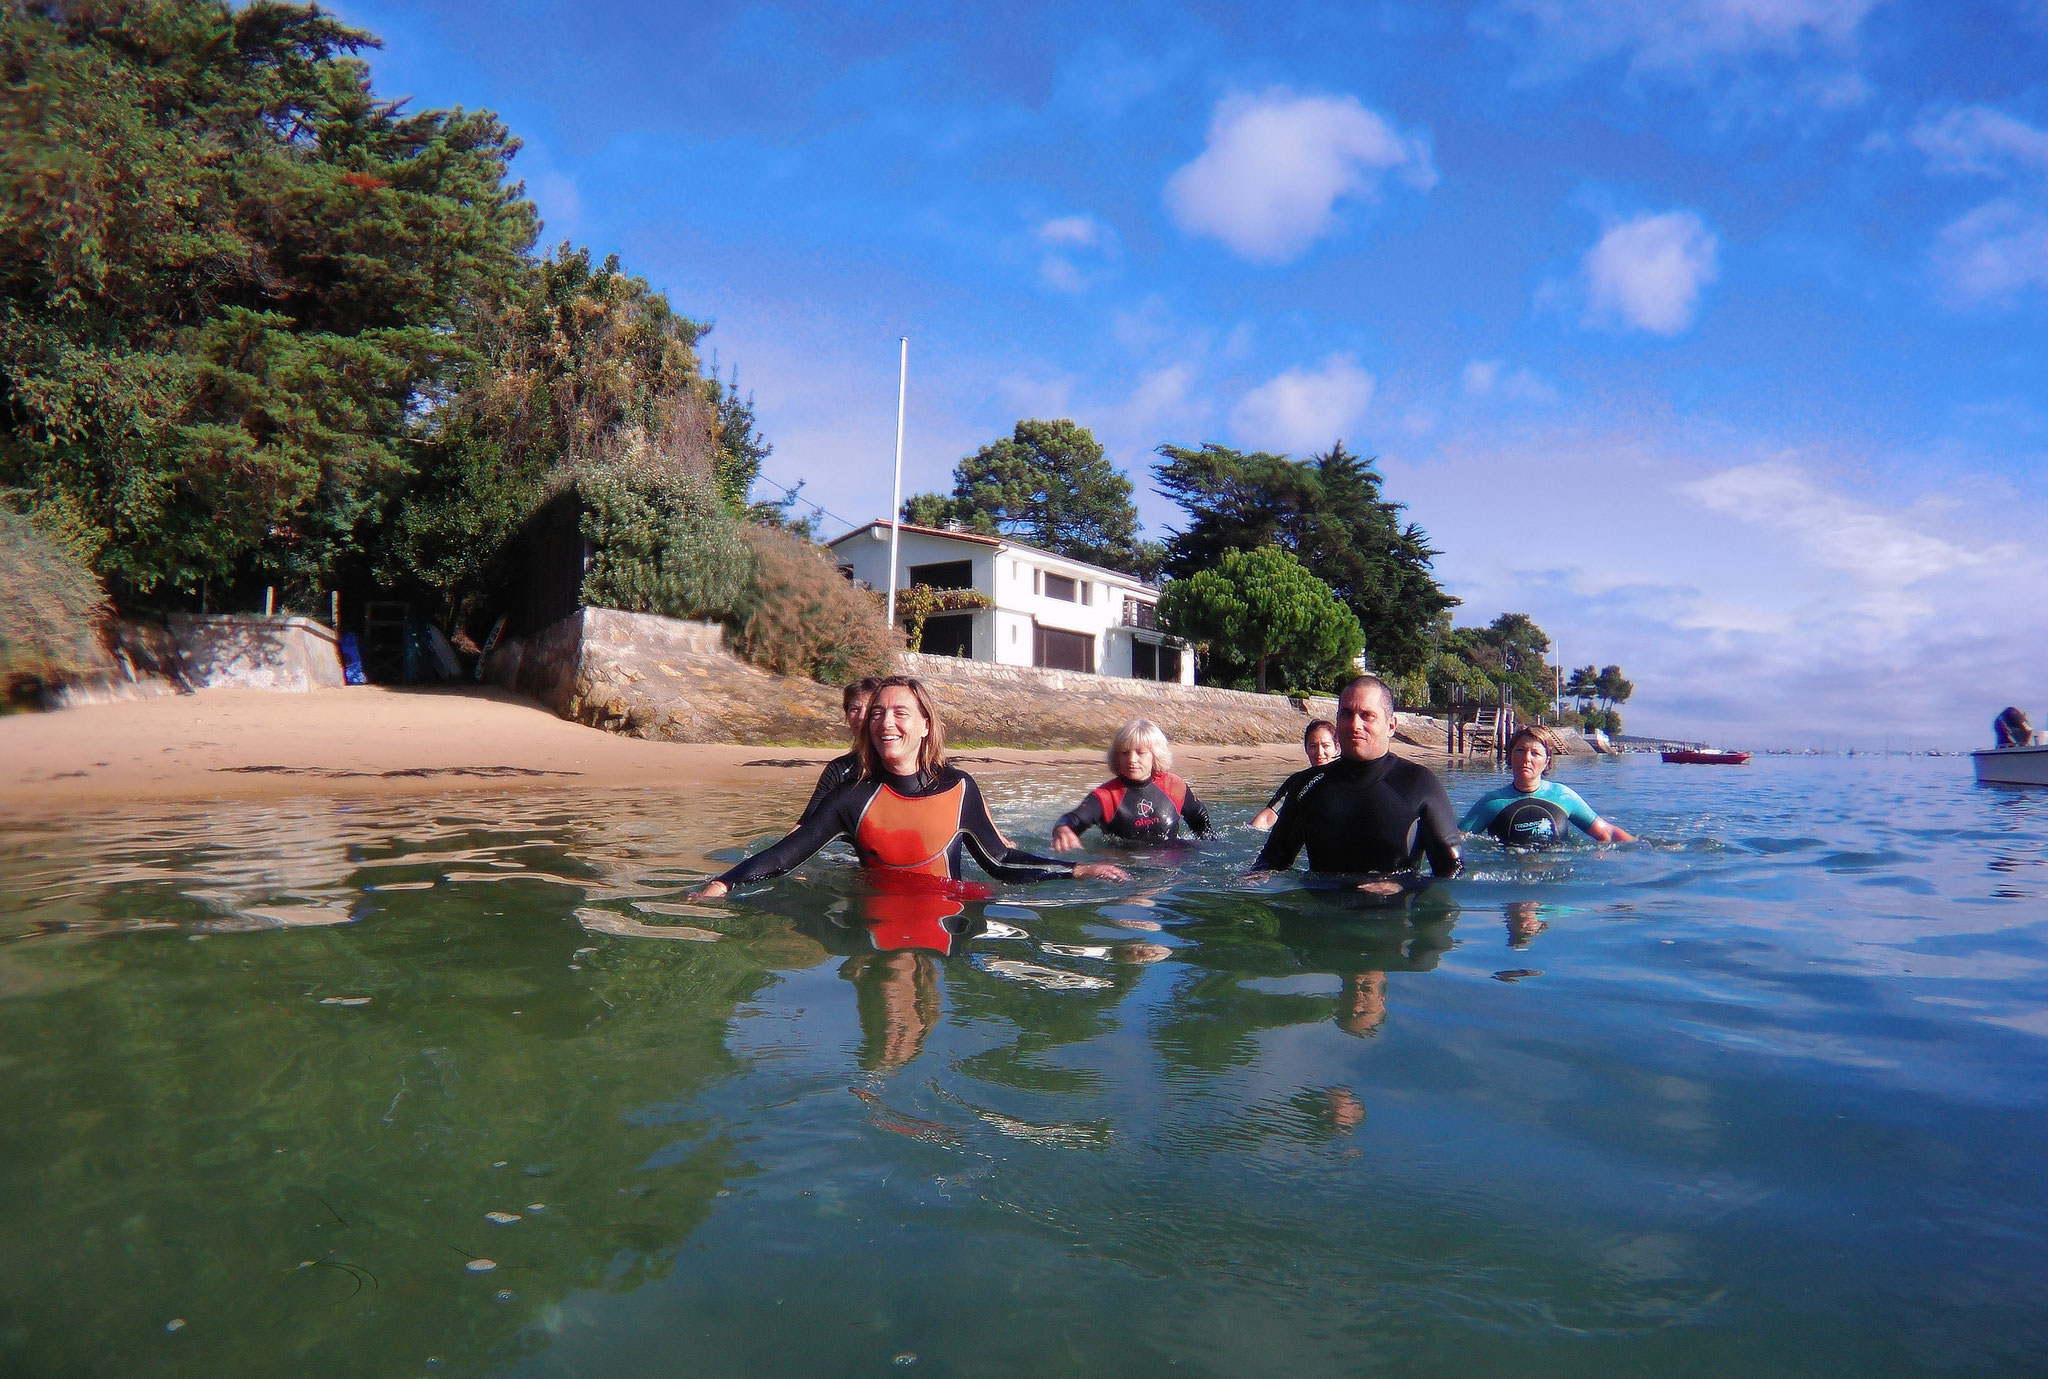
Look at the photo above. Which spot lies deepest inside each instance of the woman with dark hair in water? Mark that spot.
(1319, 745)
(909, 813)
(844, 770)
(1530, 811)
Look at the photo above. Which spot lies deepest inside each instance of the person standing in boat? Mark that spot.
(1369, 812)
(844, 770)
(1319, 745)
(910, 816)
(1529, 811)
(1144, 802)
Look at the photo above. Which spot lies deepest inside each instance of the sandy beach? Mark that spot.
(248, 744)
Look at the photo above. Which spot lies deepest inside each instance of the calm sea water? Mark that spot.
(1764, 1094)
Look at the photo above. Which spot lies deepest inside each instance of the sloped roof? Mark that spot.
(978, 539)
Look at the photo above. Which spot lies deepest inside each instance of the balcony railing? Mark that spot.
(1141, 615)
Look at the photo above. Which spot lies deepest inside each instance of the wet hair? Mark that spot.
(1317, 725)
(863, 688)
(1370, 682)
(931, 753)
(1531, 735)
(1143, 732)
(2012, 728)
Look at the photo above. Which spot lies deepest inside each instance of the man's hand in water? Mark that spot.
(1064, 839)
(710, 890)
(1100, 871)
(1385, 885)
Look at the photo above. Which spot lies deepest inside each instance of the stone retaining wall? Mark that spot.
(653, 677)
(663, 678)
(243, 651)
(133, 661)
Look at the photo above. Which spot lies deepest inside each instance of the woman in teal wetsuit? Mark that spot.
(1530, 811)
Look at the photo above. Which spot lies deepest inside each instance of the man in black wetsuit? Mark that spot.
(1368, 812)
(853, 702)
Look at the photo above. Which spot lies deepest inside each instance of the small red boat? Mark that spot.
(1694, 757)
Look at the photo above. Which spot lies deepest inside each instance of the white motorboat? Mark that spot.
(2011, 765)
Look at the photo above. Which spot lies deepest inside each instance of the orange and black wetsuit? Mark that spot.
(838, 773)
(905, 824)
(1147, 811)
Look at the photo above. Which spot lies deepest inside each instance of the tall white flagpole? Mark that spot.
(896, 503)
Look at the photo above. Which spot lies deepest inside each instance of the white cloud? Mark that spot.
(1490, 378)
(1300, 411)
(1977, 139)
(1078, 231)
(1162, 396)
(1036, 397)
(1079, 251)
(1673, 36)
(1647, 273)
(1994, 254)
(1277, 164)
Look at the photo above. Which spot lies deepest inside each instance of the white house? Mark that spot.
(1048, 610)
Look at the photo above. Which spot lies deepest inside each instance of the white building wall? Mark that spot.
(1010, 577)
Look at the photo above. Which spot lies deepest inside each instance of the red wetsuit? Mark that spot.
(902, 824)
(1148, 811)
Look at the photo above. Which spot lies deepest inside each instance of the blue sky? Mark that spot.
(1710, 333)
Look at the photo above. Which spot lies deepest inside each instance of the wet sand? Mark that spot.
(247, 744)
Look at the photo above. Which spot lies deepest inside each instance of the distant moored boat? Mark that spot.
(2011, 765)
(1696, 756)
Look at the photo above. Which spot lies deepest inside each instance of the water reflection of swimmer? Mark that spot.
(844, 770)
(1525, 921)
(1369, 811)
(1362, 1005)
(897, 997)
(909, 812)
(1529, 811)
(1144, 802)
(1319, 745)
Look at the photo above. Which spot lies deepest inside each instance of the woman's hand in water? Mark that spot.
(1099, 871)
(1064, 839)
(711, 890)
(1264, 820)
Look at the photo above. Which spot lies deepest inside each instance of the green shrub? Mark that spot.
(50, 607)
(800, 616)
(662, 541)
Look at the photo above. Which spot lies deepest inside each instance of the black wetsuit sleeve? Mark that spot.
(997, 857)
(836, 819)
(1197, 815)
(1283, 844)
(838, 772)
(1440, 830)
(1084, 816)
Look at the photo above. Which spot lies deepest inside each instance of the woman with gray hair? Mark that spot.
(1144, 802)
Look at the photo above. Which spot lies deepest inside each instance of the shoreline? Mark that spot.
(371, 741)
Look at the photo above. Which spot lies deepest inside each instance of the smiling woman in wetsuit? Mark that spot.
(909, 813)
(1530, 811)
(1144, 802)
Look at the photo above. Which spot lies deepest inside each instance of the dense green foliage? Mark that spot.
(1255, 608)
(1047, 483)
(584, 370)
(230, 275)
(49, 604)
(1329, 513)
(660, 543)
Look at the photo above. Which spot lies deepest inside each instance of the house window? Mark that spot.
(1057, 650)
(952, 635)
(1013, 634)
(950, 574)
(1087, 593)
(1062, 588)
(1151, 661)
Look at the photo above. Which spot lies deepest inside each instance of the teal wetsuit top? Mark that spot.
(1533, 820)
